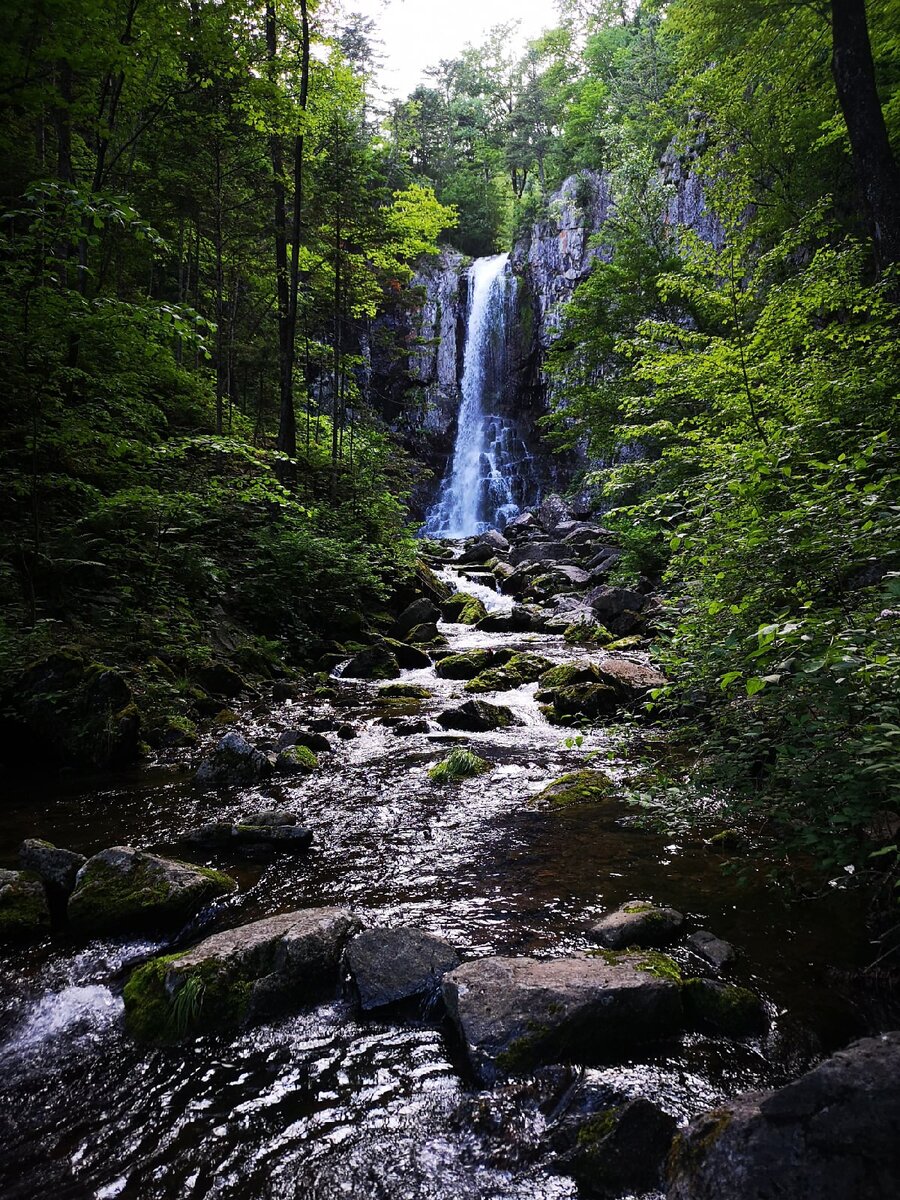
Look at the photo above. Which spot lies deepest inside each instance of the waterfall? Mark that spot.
(477, 491)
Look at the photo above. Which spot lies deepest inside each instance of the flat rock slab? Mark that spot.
(832, 1134)
(637, 923)
(241, 973)
(515, 1013)
(392, 965)
(123, 890)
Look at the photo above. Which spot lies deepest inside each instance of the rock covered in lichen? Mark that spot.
(296, 760)
(239, 975)
(123, 890)
(463, 666)
(463, 609)
(832, 1134)
(23, 906)
(637, 923)
(514, 1013)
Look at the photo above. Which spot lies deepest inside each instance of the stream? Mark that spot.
(323, 1104)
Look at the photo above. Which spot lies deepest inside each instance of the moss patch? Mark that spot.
(463, 666)
(300, 757)
(732, 1010)
(459, 764)
(518, 670)
(578, 787)
(163, 1004)
(403, 691)
(652, 962)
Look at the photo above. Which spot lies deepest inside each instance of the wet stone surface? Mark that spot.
(324, 1103)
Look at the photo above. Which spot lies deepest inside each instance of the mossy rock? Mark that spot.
(463, 609)
(578, 787)
(518, 670)
(403, 691)
(566, 675)
(590, 701)
(459, 764)
(582, 633)
(296, 760)
(621, 1149)
(23, 906)
(633, 642)
(463, 666)
(160, 1007)
(725, 1007)
(651, 962)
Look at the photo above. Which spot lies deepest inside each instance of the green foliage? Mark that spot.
(459, 764)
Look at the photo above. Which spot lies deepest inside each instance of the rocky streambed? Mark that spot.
(479, 979)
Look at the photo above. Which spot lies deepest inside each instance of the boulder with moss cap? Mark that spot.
(239, 975)
(637, 923)
(123, 890)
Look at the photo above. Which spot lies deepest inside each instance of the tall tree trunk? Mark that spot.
(286, 423)
(876, 168)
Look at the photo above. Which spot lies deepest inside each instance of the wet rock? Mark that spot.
(219, 679)
(392, 965)
(520, 526)
(283, 690)
(463, 609)
(631, 681)
(420, 612)
(522, 618)
(407, 727)
(56, 868)
(375, 662)
(323, 724)
(585, 632)
(552, 512)
(608, 602)
(724, 1007)
(574, 576)
(234, 762)
(485, 547)
(270, 816)
(346, 733)
(713, 950)
(403, 691)
(238, 975)
(637, 923)
(23, 906)
(620, 1149)
(296, 760)
(565, 675)
(832, 1134)
(518, 670)
(540, 552)
(514, 1013)
(425, 634)
(590, 701)
(123, 890)
(410, 658)
(251, 835)
(311, 738)
(476, 716)
(578, 787)
(463, 666)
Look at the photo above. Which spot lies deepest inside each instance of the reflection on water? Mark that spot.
(323, 1105)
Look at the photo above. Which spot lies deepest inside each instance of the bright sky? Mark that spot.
(418, 33)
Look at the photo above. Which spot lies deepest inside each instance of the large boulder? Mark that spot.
(389, 966)
(410, 658)
(463, 666)
(578, 787)
(724, 1008)
(486, 546)
(588, 701)
(552, 512)
(56, 868)
(23, 906)
(714, 951)
(519, 669)
(541, 552)
(239, 974)
(476, 716)
(522, 618)
(631, 681)
(612, 603)
(233, 763)
(514, 1013)
(463, 609)
(420, 612)
(832, 1134)
(219, 679)
(375, 662)
(123, 890)
(637, 923)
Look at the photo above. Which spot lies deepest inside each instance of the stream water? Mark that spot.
(323, 1104)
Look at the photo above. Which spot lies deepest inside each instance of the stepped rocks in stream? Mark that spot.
(477, 716)
(515, 1013)
(23, 906)
(255, 833)
(463, 666)
(239, 975)
(56, 868)
(410, 658)
(522, 618)
(637, 923)
(122, 890)
(389, 966)
(832, 1134)
(235, 762)
(519, 669)
(375, 662)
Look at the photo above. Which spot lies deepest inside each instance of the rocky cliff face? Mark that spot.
(416, 352)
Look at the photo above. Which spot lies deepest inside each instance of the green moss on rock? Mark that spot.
(518, 670)
(23, 905)
(163, 1004)
(725, 1007)
(463, 609)
(403, 691)
(299, 757)
(459, 764)
(463, 666)
(578, 787)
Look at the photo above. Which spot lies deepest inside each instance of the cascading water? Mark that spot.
(477, 491)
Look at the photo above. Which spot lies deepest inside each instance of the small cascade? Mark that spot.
(479, 489)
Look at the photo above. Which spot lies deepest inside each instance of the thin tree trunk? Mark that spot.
(876, 168)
